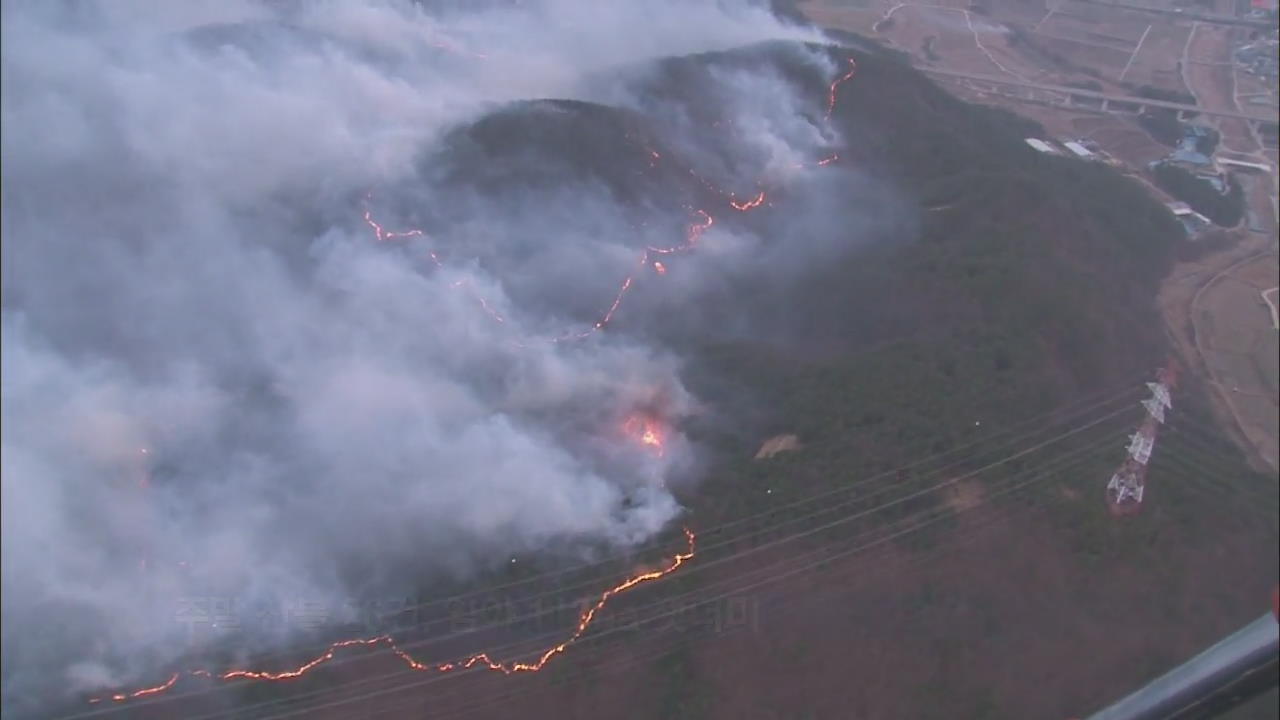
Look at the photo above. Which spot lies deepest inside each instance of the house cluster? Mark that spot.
(1080, 149)
(1259, 58)
(1193, 221)
(1195, 155)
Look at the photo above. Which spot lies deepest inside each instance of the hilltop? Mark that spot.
(937, 281)
(965, 282)
(1007, 283)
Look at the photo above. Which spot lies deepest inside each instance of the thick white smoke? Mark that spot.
(217, 383)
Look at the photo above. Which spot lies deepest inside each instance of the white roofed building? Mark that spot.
(1042, 146)
(1079, 150)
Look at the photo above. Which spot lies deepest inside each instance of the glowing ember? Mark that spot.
(659, 268)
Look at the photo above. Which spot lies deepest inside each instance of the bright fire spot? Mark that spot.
(647, 431)
(659, 268)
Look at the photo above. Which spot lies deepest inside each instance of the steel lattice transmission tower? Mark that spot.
(1128, 484)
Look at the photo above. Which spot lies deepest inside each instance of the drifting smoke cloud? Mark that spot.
(218, 383)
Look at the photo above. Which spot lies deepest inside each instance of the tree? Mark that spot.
(1162, 125)
(1225, 209)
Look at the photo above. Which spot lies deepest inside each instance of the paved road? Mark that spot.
(1093, 94)
(1187, 15)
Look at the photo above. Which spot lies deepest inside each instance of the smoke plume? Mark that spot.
(223, 379)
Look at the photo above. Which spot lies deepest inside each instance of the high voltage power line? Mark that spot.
(630, 660)
(834, 585)
(779, 571)
(920, 493)
(1054, 418)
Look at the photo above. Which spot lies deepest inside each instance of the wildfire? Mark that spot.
(144, 692)
(696, 230)
(692, 235)
(481, 659)
(651, 438)
(751, 204)
(382, 235)
(489, 310)
(647, 431)
(608, 315)
(835, 87)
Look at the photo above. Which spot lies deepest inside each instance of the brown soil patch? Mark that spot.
(1177, 297)
(965, 496)
(777, 444)
(1237, 343)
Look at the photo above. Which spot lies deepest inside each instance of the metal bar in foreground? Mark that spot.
(1236, 669)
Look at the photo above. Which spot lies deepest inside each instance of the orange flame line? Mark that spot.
(382, 235)
(626, 285)
(144, 692)
(693, 234)
(835, 86)
(751, 204)
(482, 659)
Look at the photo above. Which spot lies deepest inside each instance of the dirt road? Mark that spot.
(1237, 342)
(1220, 323)
(1210, 75)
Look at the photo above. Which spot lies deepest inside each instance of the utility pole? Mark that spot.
(1128, 484)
